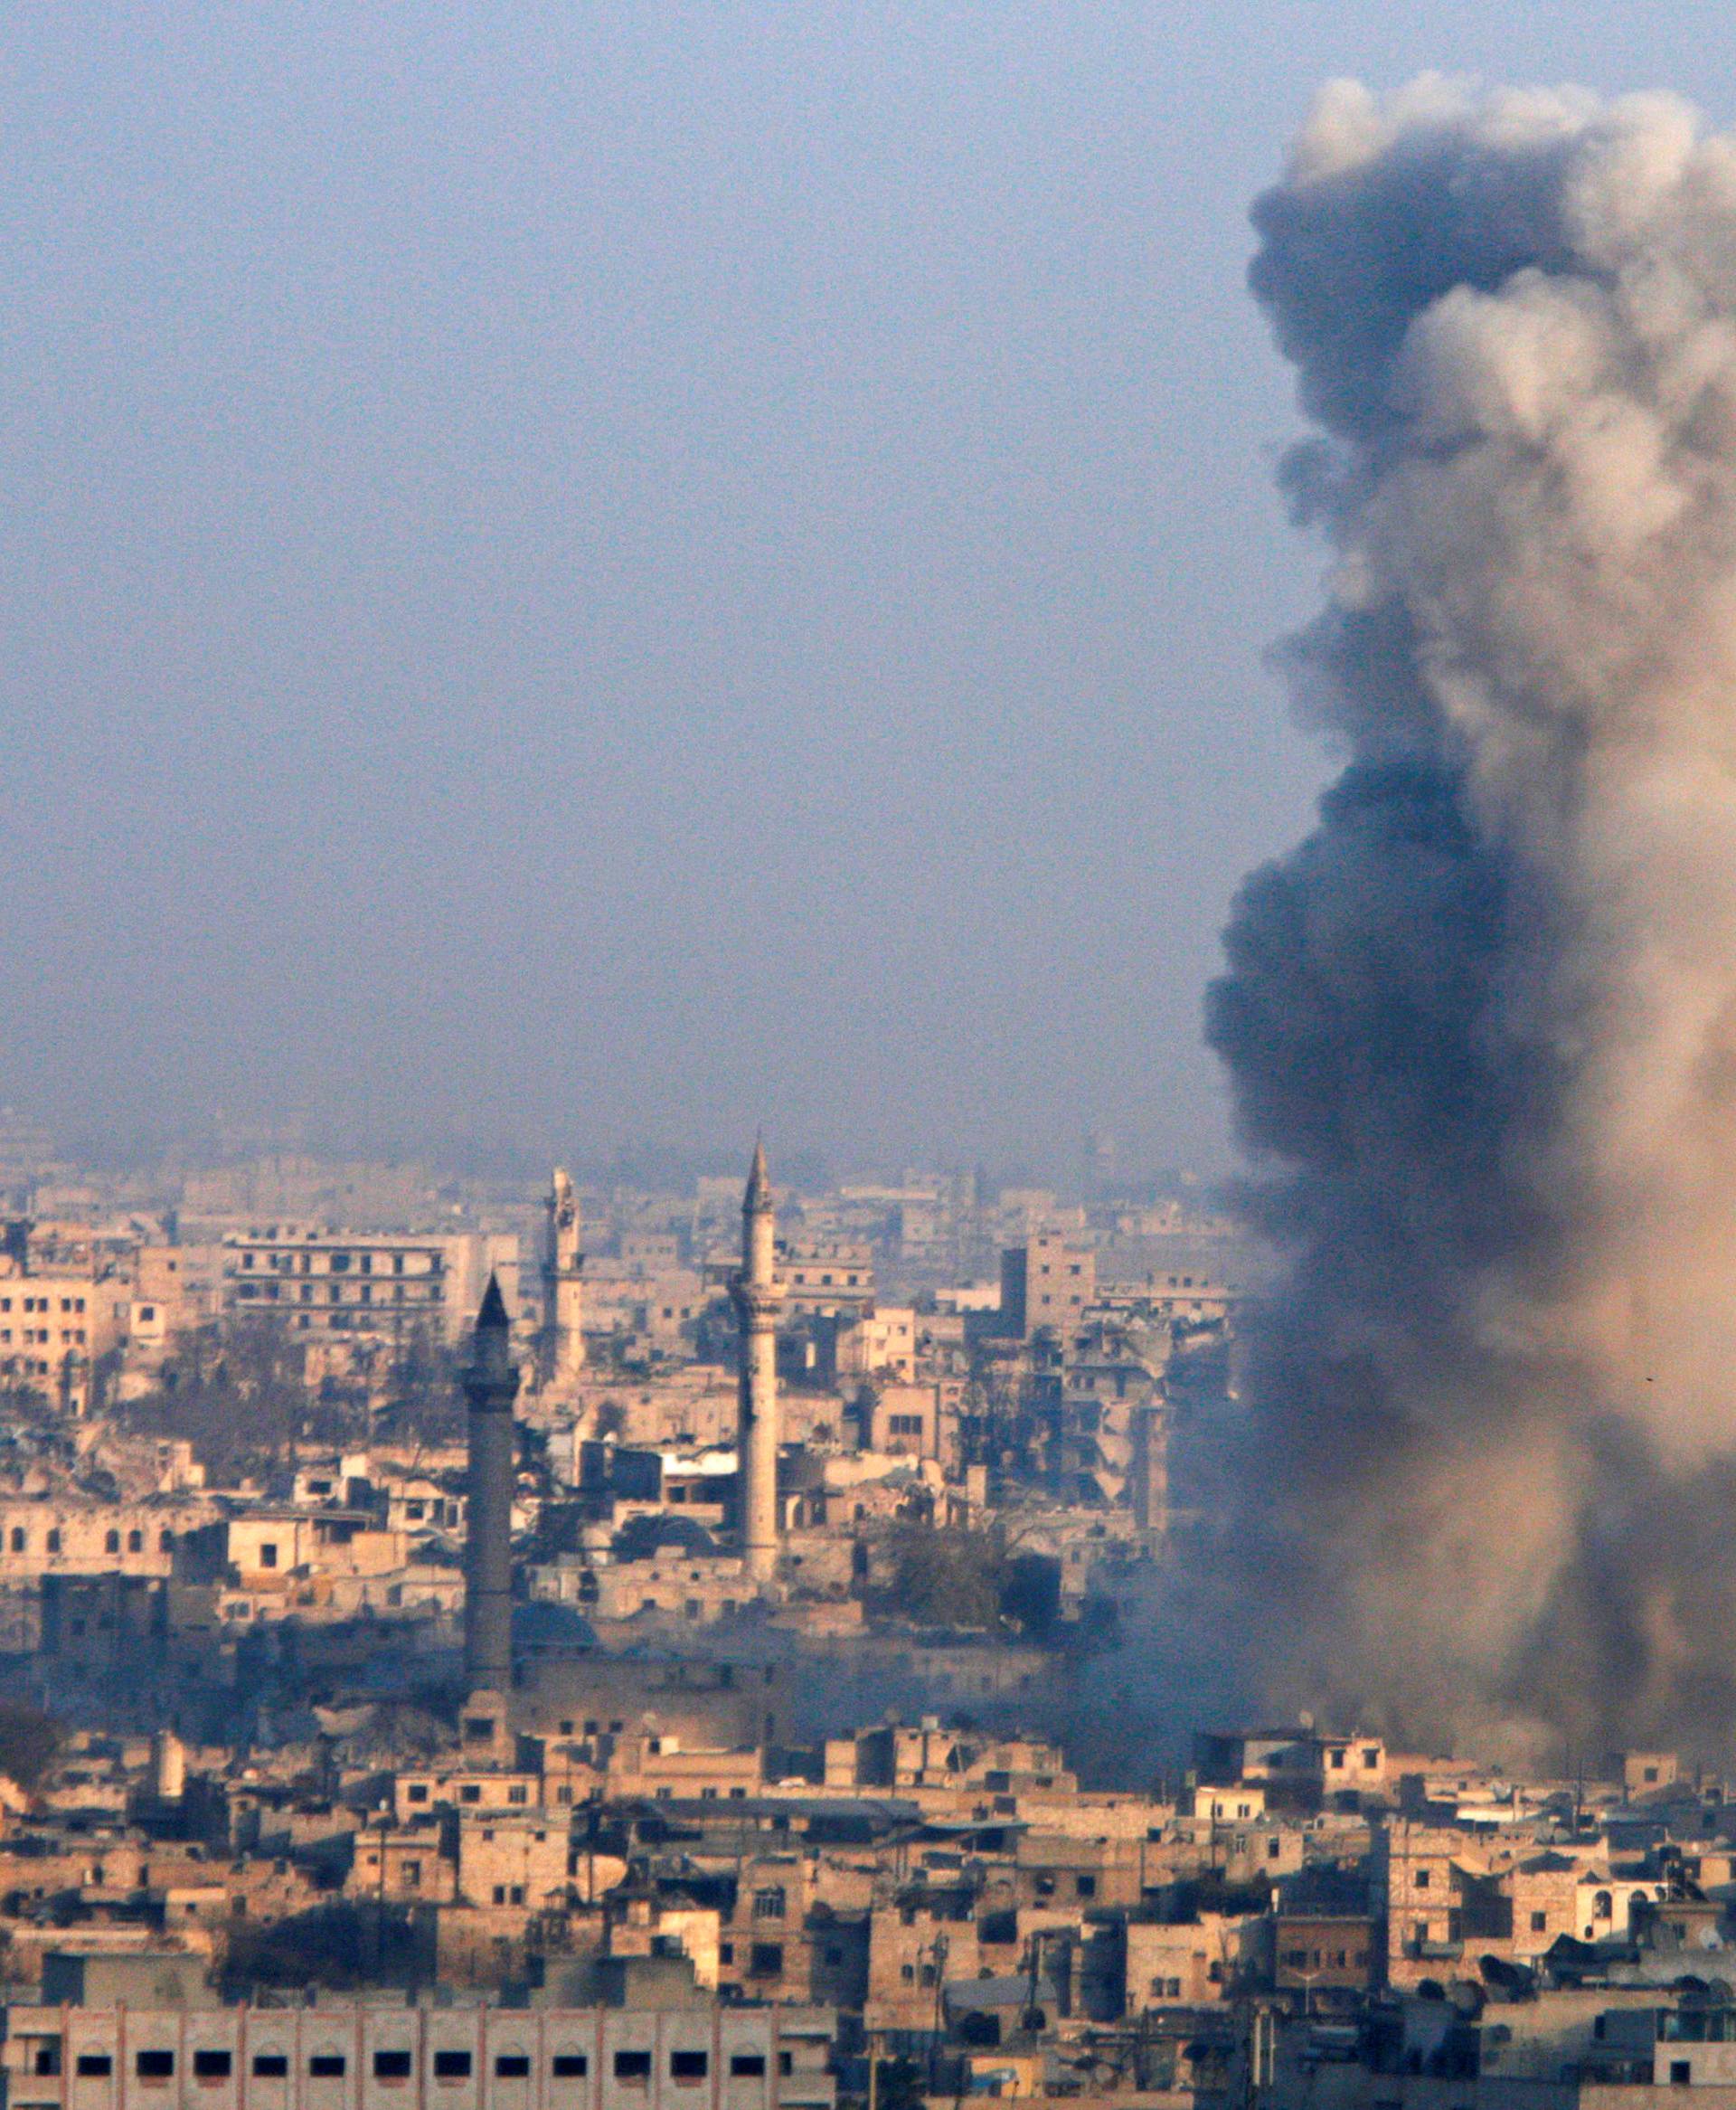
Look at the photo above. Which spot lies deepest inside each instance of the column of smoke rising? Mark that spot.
(1481, 1025)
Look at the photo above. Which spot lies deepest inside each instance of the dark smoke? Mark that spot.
(1481, 1024)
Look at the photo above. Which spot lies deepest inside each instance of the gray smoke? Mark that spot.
(1481, 1024)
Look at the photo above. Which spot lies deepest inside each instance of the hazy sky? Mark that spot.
(597, 572)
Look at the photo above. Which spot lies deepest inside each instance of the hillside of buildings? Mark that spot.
(586, 1645)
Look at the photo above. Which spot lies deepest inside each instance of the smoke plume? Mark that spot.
(1481, 1025)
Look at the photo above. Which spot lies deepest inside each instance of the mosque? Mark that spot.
(706, 1699)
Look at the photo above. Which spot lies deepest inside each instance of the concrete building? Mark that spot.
(336, 2056)
(757, 1297)
(54, 1326)
(374, 1286)
(1047, 1281)
(827, 1274)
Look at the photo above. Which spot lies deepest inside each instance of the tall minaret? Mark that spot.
(563, 1286)
(756, 1295)
(491, 1386)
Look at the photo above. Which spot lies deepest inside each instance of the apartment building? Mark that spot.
(374, 1286)
(342, 2057)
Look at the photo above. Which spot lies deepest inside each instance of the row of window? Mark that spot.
(338, 1262)
(40, 1336)
(19, 1540)
(518, 1795)
(247, 1293)
(398, 2065)
(42, 1304)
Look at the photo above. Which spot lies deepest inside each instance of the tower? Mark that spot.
(756, 1295)
(563, 1287)
(491, 1386)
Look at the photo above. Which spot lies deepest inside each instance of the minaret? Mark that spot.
(563, 1287)
(491, 1386)
(756, 1293)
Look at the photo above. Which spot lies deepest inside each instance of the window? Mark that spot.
(511, 2066)
(766, 1960)
(154, 2066)
(94, 2065)
(1086, 1886)
(268, 1555)
(1539, 1922)
(768, 1904)
(633, 2067)
(570, 2066)
(212, 2066)
(135, 1542)
(111, 1542)
(54, 1542)
(270, 2066)
(1680, 2073)
(688, 2066)
(47, 2061)
(448, 2066)
(327, 2066)
(17, 1539)
(1422, 1878)
(416, 1792)
(747, 2065)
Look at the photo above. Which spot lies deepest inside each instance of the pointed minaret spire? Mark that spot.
(758, 1193)
(491, 1386)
